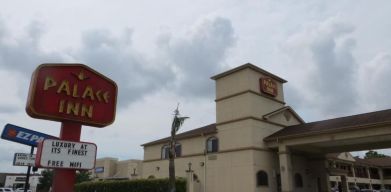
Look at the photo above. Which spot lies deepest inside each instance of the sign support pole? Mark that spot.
(26, 183)
(64, 180)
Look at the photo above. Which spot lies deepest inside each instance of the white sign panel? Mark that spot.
(53, 153)
(24, 159)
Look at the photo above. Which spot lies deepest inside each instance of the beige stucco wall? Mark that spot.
(109, 165)
(243, 80)
(228, 172)
(387, 181)
(244, 105)
(286, 121)
(190, 146)
(235, 135)
(266, 161)
(152, 152)
(118, 169)
(346, 156)
(300, 165)
(244, 134)
(159, 168)
(125, 169)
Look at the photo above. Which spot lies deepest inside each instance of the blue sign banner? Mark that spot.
(99, 169)
(23, 135)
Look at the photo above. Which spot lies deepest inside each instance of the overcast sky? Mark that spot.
(336, 56)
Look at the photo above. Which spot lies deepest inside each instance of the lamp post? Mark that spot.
(190, 179)
(134, 173)
(189, 166)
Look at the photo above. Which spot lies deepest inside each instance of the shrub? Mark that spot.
(139, 185)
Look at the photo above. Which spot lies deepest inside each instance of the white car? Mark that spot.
(6, 189)
(22, 190)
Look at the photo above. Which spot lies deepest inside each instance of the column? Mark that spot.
(285, 169)
(369, 177)
(380, 171)
(190, 181)
(325, 176)
(344, 184)
(321, 174)
(354, 175)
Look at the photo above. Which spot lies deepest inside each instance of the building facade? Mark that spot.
(374, 173)
(112, 169)
(15, 180)
(260, 144)
(230, 155)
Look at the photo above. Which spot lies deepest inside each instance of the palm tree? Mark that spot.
(176, 124)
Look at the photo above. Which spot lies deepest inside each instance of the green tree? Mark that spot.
(45, 182)
(373, 154)
(82, 176)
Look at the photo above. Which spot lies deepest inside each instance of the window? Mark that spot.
(178, 150)
(212, 145)
(262, 178)
(166, 151)
(298, 180)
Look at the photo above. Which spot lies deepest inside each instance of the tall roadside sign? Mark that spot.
(75, 95)
(72, 92)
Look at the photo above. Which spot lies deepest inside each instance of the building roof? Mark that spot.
(248, 65)
(19, 174)
(380, 161)
(282, 109)
(332, 155)
(334, 125)
(206, 130)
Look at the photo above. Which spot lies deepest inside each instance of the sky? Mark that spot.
(335, 55)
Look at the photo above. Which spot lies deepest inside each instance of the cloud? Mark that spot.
(374, 87)
(13, 86)
(325, 51)
(23, 53)
(182, 64)
(198, 55)
(117, 58)
(9, 150)
(19, 55)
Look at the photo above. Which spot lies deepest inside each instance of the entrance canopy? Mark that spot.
(352, 133)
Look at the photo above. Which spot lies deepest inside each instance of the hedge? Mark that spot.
(138, 185)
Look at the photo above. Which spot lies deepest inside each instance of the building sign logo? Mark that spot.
(72, 92)
(268, 86)
(99, 169)
(12, 133)
(23, 135)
